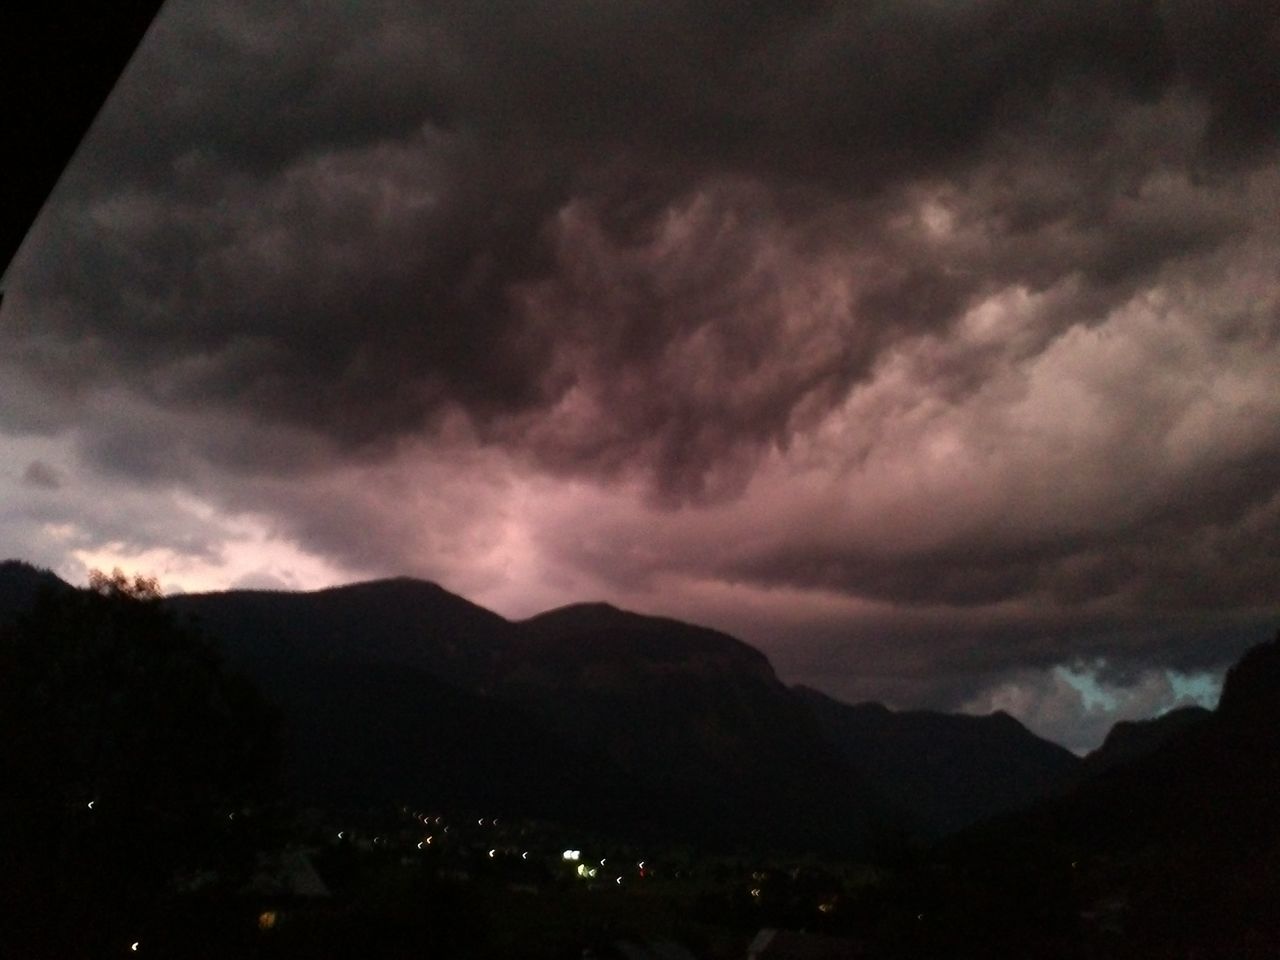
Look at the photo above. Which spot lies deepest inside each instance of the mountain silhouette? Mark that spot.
(946, 770)
(1131, 740)
(697, 716)
(1178, 847)
(399, 689)
(21, 584)
(402, 621)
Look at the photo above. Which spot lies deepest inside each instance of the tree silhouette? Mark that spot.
(128, 756)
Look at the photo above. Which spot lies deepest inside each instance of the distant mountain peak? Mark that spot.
(401, 620)
(587, 613)
(1251, 689)
(1130, 740)
(597, 643)
(388, 583)
(947, 770)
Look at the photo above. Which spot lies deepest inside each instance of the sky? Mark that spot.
(931, 347)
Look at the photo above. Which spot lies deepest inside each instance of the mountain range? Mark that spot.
(400, 689)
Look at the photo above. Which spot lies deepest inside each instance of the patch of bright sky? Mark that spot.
(1092, 695)
(249, 554)
(1075, 705)
(1201, 688)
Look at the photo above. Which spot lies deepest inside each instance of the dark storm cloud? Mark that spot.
(1201, 552)
(942, 307)
(40, 474)
(322, 219)
(356, 293)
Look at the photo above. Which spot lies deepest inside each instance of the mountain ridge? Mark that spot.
(948, 770)
(695, 720)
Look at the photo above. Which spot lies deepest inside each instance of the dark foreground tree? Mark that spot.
(131, 764)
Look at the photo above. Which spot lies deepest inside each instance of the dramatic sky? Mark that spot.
(931, 346)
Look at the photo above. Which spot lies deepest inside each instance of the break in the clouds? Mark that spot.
(932, 347)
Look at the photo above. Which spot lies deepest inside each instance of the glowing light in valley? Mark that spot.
(91, 803)
(492, 854)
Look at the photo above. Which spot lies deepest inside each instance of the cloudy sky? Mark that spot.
(932, 347)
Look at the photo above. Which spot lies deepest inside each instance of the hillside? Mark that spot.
(1175, 852)
(402, 621)
(1131, 740)
(700, 718)
(947, 770)
(21, 583)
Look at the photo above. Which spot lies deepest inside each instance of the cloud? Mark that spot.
(345, 254)
(920, 343)
(40, 474)
(1070, 705)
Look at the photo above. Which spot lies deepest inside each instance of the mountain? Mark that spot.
(1173, 852)
(398, 688)
(644, 720)
(697, 716)
(582, 712)
(1250, 701)
(1216, 776)
(358, 735)
(381, 687)
(598, 644)
(1210, 780)
(402, 621)
(1131, 740)
(946, 770)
